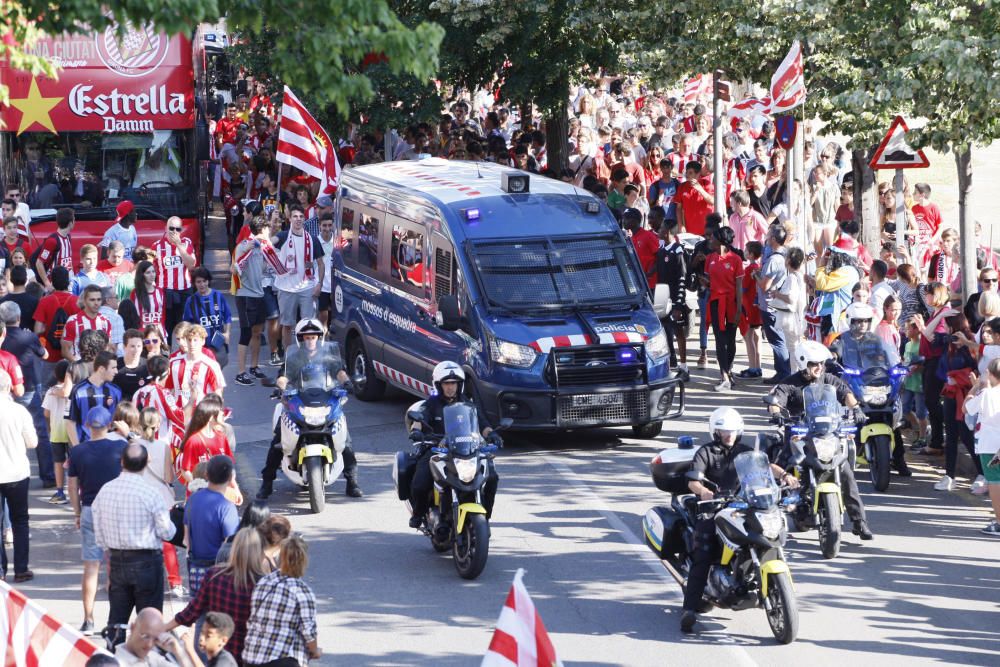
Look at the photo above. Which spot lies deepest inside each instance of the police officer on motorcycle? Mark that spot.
(788, 395)
(449, 381)
(308, 358)
(716, 462)
(859, 348)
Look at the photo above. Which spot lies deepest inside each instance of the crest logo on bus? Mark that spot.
(137, 51)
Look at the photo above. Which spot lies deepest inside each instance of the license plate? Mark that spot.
(594, 400)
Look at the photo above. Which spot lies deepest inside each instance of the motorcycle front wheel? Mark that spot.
(878, 462)
(314, 478)
(830, 522)
(783, 617)
(470, 553)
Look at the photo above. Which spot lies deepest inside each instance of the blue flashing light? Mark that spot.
(685, 442)
(626, 354)
(852, 371)
(471, 214)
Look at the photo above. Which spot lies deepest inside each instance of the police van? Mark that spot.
(527, 282)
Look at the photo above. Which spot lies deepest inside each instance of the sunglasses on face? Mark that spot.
(990, 281)
(150, 341)
(175, 229)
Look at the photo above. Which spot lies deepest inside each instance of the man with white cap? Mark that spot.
(123, 230)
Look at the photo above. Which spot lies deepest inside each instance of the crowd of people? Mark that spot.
(112, 361)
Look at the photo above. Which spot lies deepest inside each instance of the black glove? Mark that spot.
(276, 394)
(495, 439)
(859, 416)
(417, 436)
(348, 386)
(775, 419)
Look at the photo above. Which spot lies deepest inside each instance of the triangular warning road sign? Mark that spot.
(895, 153)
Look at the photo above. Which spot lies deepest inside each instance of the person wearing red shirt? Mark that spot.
(57, 249)
(114, 266)
(927, 215)
(694, 200)
(174, 258)
(90, 317)
(10, 365)
(195, 375)
(225, 129)
(724, 279)
(204, 438)
(12, 239)
(46, 312)
(646, 243)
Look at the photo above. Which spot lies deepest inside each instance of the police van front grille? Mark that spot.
(633, 407)
(596, 365)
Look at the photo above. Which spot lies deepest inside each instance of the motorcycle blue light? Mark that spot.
(900, 370)
(685, 442)
(626, 354)
(851, 371)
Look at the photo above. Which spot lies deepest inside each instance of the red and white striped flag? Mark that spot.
(698, 86)
(303, 143)
(788, 85)
(31, 638)
(750, 107)
(520, 639)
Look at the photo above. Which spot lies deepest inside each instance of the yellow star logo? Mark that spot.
(35, 109)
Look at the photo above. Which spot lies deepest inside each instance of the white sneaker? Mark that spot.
(724, 387)
(179, 592)
(979, 486)
(682, 367)
(944, 484)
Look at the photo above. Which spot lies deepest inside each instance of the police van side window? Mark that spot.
(368, 241)
(345, 241)
(407, 259)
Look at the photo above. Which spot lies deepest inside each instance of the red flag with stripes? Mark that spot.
(698, 86)
(520, 639)
(303, 143)
(751, 106)
(32, 638)
(788, 85)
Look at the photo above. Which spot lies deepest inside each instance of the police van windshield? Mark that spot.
(93, 171)
(557, 273)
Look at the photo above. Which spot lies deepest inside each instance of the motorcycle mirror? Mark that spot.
(415, 415)
(506, 423)
(769, 399)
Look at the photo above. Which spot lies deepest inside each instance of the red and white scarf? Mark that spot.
(307, 255)
(269, 254)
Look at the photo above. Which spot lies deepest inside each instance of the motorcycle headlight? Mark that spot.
(656, 346)
(875, 396)
(315, 416)
(826, 448)
(511, 354)
(466, 469)
(771, 524)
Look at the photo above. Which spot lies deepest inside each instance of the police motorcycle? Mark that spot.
(818, 443)
(310, 416)
(461, 465)
(876, 384)
(752, 572)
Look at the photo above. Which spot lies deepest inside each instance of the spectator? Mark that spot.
(132, 372)
(254, 514)
(750, 321)
(299, 286)
(110, 312)
(56, 250)
(118, 269)
(27, 302)
(228, 588)
(957, 364)
(153, 344)
(988, 282)
(273, 532)
(933, 345)
(174, 258)
(97, 390)
(92, 343)
(123, 232)
(54, 408)
(194, 374)
(984, 403)
(945, 266)
(913, 406)
(88, 318)
(204, 437)
(747, 224)
(329, 243)
(888, 329)
(216, 632)
(146, 304)
(92, 464)
(208, 308)
(282, 621)
(771, 277)
(88, 274)
(131, 521)
(881, 287)
(724, 280)
(17, 434)
(834, 286)
(155, 395)
(694, 199)
(646, 244)
(209, 518)
(149, 631)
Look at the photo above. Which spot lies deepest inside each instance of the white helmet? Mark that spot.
(725, 419)
(308, 326)
(448, 370)
(860, 311)
(811, 352)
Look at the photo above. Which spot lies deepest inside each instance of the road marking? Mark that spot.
(738, 653)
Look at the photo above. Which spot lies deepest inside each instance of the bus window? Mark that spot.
(368, 242)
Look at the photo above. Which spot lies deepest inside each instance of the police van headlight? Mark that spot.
(466, 469)
(511, 354)
(656, 346)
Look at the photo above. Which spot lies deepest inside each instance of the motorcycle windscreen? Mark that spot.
(869, 357)
(757, 484)
(461, 429)
(315, 368)
(822, 409)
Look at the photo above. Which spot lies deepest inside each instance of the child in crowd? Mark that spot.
(789, 302)
(887, 329)
(751, 322)
(984, 402)
(215, 632)
(88, 275)
(912, 395)
(54, 405)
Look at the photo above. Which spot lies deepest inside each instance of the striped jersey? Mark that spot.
(80, 322)
(204, 372)
(85, 396)
(155, 313)
(171, 414)
(170, 270)
(57, 250)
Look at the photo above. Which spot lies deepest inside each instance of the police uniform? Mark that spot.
(715, 462)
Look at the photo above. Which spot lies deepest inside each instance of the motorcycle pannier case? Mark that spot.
(663, 529)
(402, 473)
(669, 470)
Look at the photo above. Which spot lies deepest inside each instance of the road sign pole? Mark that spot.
(718, 163)
(901, 225)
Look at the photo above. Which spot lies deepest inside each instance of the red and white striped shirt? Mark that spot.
(206, 372)
(77, 324)
(170, 270)
(155, 314)
(57, 250)
(171, 414)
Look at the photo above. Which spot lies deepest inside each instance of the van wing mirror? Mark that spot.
(449, 315)
(661, 300)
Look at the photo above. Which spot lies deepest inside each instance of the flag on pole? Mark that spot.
(750, 107)
(520, 639)
(303, 143)
(788, 85)
(31, 638)
(697, 86)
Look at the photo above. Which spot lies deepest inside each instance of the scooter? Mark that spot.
(313, 435)
(752, 573)
(820, 442)
(461, 465)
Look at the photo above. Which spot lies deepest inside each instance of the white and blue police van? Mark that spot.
(527, 282)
